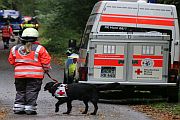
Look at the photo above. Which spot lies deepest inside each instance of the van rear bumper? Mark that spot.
(132, 83)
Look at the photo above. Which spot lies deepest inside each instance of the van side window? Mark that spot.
(105, 49)
(109, 49)
(108, 28)
(147, 50)
(85, 38)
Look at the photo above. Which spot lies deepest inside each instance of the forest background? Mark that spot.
(60, 20)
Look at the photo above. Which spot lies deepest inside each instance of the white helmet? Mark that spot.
(30, 33)
(74, 55)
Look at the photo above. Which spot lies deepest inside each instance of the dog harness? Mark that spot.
(61, 91)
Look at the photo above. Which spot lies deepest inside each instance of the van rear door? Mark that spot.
(148, 62)
(107, 62)
(139, 60)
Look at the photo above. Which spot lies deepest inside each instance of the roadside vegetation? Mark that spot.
(160, 110)
(164, 106)
(171, 108)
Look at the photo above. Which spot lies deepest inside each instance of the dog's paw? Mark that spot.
(66, 112)
(56, 110)
(85, 112)
(93, 113)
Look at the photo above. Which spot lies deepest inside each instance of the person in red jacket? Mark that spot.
(31, 61)
(7, 32)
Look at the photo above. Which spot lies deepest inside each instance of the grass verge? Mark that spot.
(172, 108)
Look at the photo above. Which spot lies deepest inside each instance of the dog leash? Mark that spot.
(52, 78)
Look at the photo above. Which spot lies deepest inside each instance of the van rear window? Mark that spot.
(108, 28)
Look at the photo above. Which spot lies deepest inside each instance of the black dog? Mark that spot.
(79, 91)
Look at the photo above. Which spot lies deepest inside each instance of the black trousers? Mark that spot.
(6, 42)
(27, 90)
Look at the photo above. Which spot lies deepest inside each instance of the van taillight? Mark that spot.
(174, 72)
(176, 65)
(173, 76)
(83, 73)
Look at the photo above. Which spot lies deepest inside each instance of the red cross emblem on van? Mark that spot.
(138, 71)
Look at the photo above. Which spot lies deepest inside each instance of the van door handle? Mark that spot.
(134, 62)
(120, 61)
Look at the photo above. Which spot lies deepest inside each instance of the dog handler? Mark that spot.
(31, 61)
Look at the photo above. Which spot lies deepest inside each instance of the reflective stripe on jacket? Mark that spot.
(71, 70)
(27, 25)
(31, 65)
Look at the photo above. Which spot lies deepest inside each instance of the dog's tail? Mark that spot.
(110, 86)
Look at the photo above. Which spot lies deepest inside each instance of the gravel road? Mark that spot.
(46, 103)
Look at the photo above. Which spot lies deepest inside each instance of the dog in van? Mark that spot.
(66, 93)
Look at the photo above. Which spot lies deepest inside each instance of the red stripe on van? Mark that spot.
(147, 56)
(117, 19)
(138, 20)
(157, 63)
(107, 62)
(159, 17)
(156, 22)
(108, 56)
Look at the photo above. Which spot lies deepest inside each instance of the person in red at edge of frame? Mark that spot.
(7, 32)
(31, 62)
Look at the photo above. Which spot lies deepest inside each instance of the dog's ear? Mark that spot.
(48, 86)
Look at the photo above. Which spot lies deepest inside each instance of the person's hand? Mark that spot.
(46, 71)
(76, 80)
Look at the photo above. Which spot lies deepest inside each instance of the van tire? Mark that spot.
(172, 96)
(173, 92)
(164, 93)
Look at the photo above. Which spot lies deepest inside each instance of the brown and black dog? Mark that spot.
(79, 91)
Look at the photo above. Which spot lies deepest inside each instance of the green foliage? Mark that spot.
(64, 20)
(173, 108)
(6, 4)
(59, 42)
(60, 20)
(168, 107)
(74, 13)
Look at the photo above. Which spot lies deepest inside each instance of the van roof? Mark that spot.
(163, 9)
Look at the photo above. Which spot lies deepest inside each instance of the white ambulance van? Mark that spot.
(133, 43)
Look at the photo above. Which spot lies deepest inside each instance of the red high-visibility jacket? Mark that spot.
(31, 65)
(7, 31)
